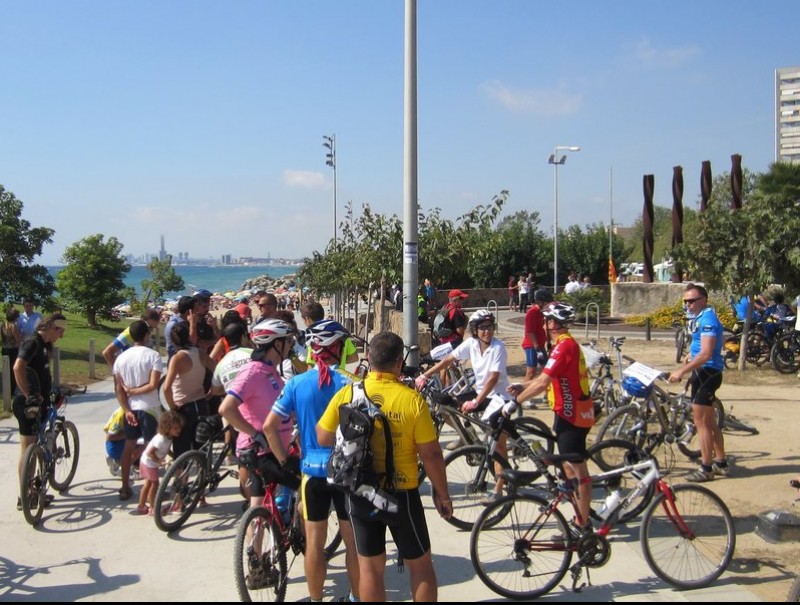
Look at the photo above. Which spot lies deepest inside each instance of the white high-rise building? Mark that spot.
(787, 114)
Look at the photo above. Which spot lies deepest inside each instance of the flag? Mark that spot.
(612, 272)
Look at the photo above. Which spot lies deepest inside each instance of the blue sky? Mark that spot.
(203, 121)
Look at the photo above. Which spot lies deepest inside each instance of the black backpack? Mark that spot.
(442, 325)
(351, 465)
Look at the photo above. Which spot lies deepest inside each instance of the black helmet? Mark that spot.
(543, 295)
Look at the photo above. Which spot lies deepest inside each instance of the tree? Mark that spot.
(586, 253)
(20, 244)
(162, 279)
(92, 281)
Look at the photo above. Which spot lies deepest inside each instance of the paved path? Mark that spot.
(91, 547)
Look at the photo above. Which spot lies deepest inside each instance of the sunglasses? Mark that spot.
(486, 327)
(691, 301)
(262, 305)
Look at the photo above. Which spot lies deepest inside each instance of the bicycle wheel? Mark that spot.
(688, 542)
(626, 422)
(65, 459)
(470, 482)
(334, 535)
(785, 355)
(610, 455)
(32, 484)
(259, 558)
(689, 446)
(681, 339)
(794, 592)
(526, 554)
(180, 490)
(532, 429)
(732, 423)
(757, 348)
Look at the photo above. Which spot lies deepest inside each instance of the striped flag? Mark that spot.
(612, 272)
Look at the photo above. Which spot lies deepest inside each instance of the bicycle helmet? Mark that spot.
(543, 295)
(479, 316)
(269, 330)
(633, 386)
(560, 312)
(324, 333)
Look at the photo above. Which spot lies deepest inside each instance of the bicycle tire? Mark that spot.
(794, 591)
(66, 456)
(468, 490)
(697, 559)
(732, 423)
(498, 550)
(32, 484)
(757, 349)
(624, 423)
(784, 357)
(609, 455)
(532, 428)
(257, 530)
(680, 344)
(180, 490)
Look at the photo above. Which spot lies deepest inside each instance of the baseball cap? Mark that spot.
(457, 294)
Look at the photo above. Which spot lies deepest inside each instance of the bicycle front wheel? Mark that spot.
(470, 482)
(784, 357)
(180, 491)
(687, 536)
(259, 558)
(65, 456)
(32, 484)
(526, 553)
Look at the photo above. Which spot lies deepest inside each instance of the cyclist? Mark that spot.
(704, 367)
(34, 382)
(488, 357)
(306, 396)
(250, 398)
(566, 381)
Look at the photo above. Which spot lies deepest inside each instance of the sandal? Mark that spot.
(794, 483)
(125, 493)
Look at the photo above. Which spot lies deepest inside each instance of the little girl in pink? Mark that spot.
(154, 457)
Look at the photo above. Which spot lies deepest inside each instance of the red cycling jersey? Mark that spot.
(570, 380)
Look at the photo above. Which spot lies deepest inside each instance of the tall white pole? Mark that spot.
(610, 210)
(410, 196)
(555, 224)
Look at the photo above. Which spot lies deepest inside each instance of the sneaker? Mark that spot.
(700, 476)
(491, 499)
(721, 471)
(259, 578)
(454, 445)
(113, 466)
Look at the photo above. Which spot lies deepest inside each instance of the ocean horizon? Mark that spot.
(216, 278)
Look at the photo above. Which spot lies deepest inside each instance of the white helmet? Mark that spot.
(325, 332)
(560, 312)
(480, 316)
(269, 330)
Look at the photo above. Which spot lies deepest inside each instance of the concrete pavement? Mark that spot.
(92, 547)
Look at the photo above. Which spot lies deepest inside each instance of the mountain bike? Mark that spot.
(193, 474)
(605, 390)
(522, 546)
(264, 538)
(51, 460)
(784, 357)
(683, 339)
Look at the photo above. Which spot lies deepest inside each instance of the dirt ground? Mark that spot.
(762, 464)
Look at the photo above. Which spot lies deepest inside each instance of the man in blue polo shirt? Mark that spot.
(704, 367)
(307, 396)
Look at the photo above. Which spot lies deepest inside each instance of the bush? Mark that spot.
(580, 299)
(667, 317)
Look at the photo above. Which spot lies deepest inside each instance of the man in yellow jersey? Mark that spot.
(413, 434)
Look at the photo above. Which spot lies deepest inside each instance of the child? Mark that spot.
(155, 454)
(115, 443)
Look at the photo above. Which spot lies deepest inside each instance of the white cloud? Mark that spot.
(541, 102)
(670, 58)
(304, 179)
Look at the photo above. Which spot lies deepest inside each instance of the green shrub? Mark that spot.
(580, 299)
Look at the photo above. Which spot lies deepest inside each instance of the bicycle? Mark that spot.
(784, 357)
(51, 460)
(193, 474)
(683, 339)
(522, 546)
(605, 390)
(264, 538)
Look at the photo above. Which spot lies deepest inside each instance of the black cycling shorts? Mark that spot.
(27, 427)
(571, 439)
(317, 496)
(410, 533)
(704, 383)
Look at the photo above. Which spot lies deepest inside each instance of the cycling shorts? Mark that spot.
(570, 438)
(410, 533)
(317, 496)
(27, 427)
(704, 383)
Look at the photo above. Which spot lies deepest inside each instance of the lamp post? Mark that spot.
(329, 142)
(555, 159)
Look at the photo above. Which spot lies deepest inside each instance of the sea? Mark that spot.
(216, 278)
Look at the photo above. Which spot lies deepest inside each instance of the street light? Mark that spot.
(555, 159)
(329, 142)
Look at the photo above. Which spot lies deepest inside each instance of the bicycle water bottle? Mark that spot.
(610, 505)
(283, 500)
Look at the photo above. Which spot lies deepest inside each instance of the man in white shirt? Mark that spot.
(28, 319)
(573, 285)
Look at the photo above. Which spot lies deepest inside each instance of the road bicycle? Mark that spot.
(522, 545)
(264, 538)
(193, 474)
(52, 460)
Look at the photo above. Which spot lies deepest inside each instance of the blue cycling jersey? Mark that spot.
(704, 325)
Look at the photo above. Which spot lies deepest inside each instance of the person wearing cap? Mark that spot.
(454, 317)
(34, 381)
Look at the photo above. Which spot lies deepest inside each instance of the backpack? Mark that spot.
(351, 465)
(440, 330)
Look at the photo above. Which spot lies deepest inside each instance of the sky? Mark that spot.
(204, 121)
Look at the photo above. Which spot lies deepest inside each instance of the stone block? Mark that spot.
(778, 526)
